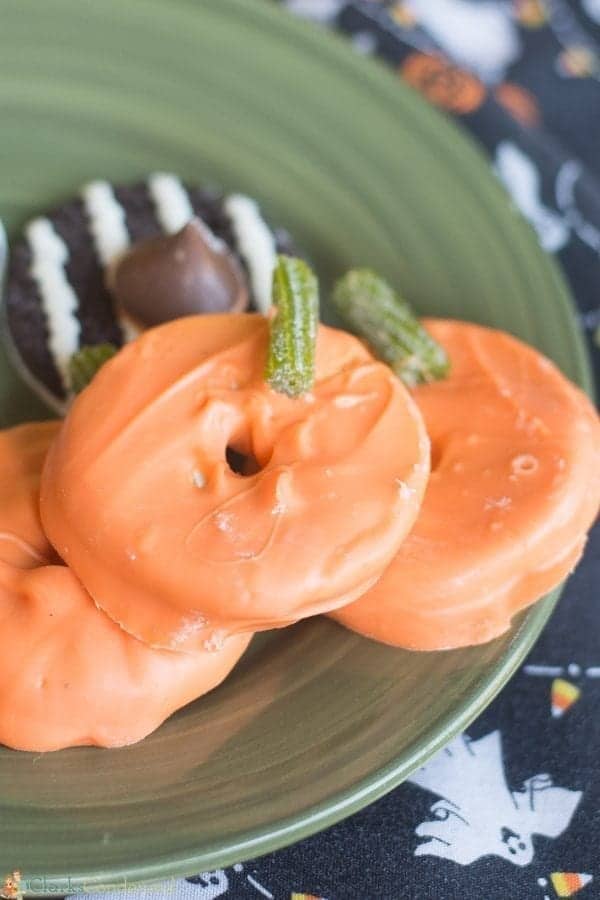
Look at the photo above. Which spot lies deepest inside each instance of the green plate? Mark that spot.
(315, 722)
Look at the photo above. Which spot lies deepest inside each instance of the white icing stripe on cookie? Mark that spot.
(129, 330)
(108, 227)
(171, 201)
(107, 220)
(49, 255)
(256, 244)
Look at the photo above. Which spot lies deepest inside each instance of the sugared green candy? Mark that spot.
(290, 365)
(84, 364)
(373, 310)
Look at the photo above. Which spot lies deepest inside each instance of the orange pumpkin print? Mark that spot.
(577, 62)
(519, 102)
(442, 83)
(403, 15)
(531, 13)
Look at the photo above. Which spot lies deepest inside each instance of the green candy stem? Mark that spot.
(374, 311)
(84, 364)
(290, 365)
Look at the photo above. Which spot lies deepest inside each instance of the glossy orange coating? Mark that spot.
(139, 499)
(69, 674)
(22, 453)
(515, 485)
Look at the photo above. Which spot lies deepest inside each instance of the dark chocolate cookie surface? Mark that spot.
(56, 298)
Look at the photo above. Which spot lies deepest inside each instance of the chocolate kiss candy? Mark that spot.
(175, 275)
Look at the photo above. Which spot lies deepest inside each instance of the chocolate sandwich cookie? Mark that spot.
(121, 258)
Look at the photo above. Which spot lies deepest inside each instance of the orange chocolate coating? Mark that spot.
(22, 453)
(69, 674)
(515, 485)
(139, 499)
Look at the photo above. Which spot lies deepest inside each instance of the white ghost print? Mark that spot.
(522, 179)
(592, 8)
(480, 35)
(209, 885)
(478, 815)
(318, 10)
(206, 886)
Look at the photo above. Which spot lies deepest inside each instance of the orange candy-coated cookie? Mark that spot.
(22, 453)
(515, 485)
(69, 674)
(139, 498)
(73, 677)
